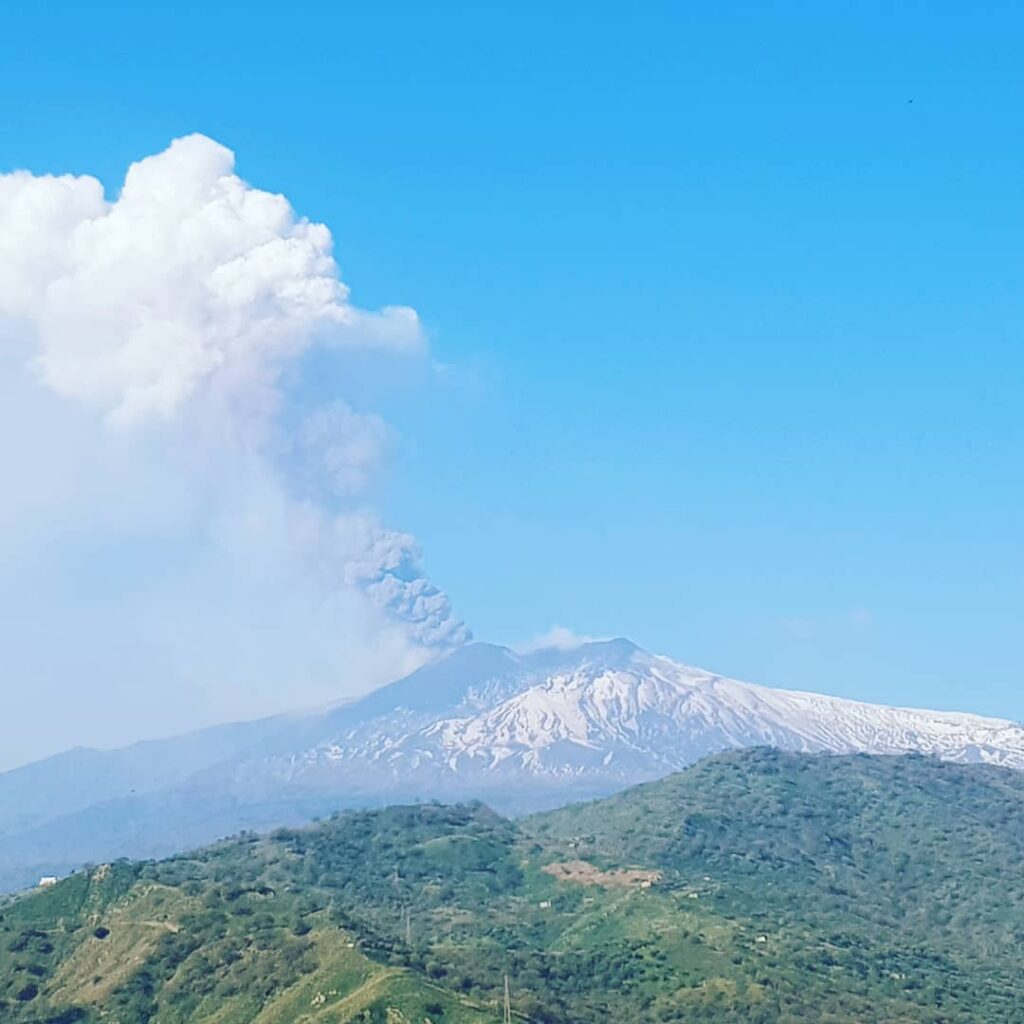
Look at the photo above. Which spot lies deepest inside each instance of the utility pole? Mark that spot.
(408, 926)
(507, 1018)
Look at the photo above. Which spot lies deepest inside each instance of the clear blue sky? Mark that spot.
(730, 298)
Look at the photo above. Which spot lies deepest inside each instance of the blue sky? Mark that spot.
(724, 303)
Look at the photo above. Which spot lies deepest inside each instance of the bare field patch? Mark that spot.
(584, 873)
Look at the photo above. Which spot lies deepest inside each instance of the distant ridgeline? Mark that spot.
(522, 733)
(753, 887)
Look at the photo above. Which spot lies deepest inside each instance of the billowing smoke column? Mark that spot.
(177, 314)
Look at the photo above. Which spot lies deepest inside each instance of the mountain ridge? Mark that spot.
(522, 731)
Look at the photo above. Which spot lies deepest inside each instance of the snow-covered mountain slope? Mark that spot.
(601, 717)
(520, 731)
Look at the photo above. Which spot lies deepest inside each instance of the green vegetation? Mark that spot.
(765, 887)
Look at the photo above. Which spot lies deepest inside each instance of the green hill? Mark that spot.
(754, 887)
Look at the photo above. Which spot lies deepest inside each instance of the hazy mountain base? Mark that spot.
(521, 732)
(764, 887)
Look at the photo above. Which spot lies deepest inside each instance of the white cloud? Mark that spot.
(559, 637)
(172, 493)
(190, 281)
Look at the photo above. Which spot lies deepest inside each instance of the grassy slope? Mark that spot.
(791, 889)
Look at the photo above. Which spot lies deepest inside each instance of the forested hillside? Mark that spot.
(754, 887)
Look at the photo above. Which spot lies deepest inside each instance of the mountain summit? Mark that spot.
(519, 731)
(522, 730)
